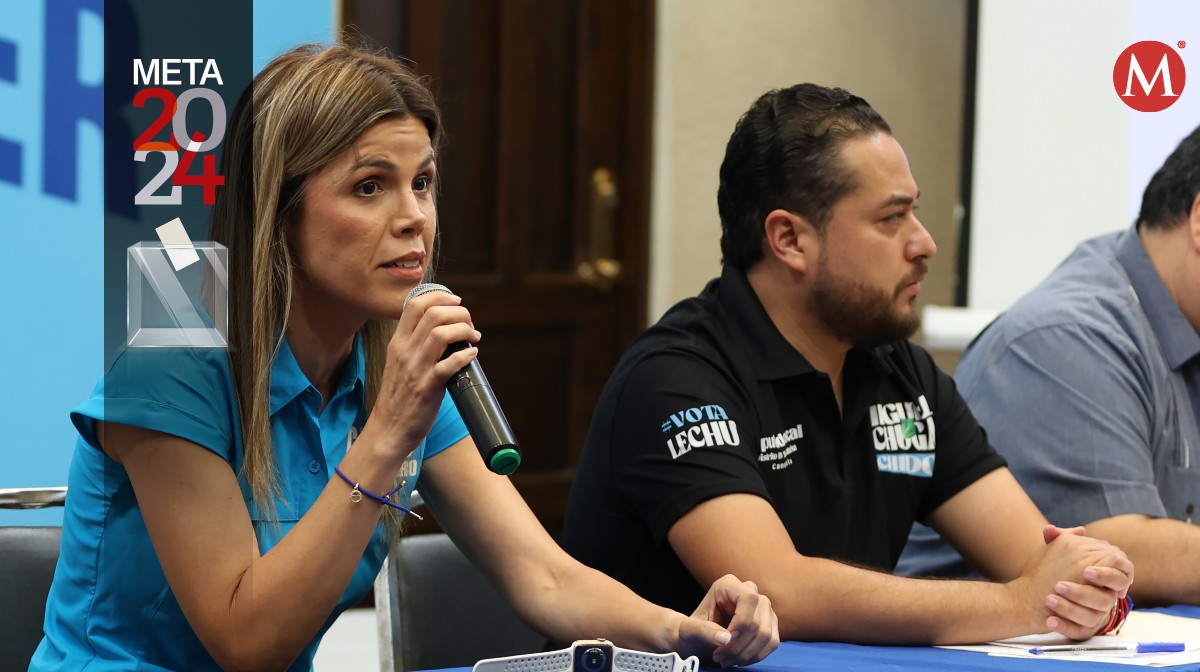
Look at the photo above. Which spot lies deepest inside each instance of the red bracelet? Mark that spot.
(1116, 617)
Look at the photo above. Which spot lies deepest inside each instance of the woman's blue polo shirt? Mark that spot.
(110, 607)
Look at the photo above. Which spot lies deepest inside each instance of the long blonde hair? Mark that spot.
(305, 108)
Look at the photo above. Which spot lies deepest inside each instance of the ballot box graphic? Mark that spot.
(178, 295)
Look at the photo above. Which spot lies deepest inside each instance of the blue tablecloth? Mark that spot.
(1178, 610)
(823, 656)
(806, 656)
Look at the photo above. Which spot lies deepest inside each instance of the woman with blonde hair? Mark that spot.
(225, 504)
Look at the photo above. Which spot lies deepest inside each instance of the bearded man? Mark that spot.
(779, 426)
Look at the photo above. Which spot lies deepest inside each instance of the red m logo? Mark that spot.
(1157, 92)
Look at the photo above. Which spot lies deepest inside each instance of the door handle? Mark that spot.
(601, 270)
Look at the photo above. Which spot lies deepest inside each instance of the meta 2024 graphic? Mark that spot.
(177, 289)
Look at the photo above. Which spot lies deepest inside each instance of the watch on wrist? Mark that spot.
(590, 655)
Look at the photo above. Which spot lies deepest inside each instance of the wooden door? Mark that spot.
(544, 202)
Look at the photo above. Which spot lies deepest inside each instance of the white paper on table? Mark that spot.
(1139, 627)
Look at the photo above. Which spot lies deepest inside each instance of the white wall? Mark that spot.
(1058, 157)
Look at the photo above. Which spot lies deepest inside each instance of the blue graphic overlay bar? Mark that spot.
(173, 73)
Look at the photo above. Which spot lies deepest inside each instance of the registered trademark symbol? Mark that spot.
(1183, 44)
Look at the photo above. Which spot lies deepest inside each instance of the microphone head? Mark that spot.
(425, 288)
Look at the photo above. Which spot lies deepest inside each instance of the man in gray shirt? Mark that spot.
(1090, 388)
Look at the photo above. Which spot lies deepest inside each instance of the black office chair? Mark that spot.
(27, 559)
(436, 610)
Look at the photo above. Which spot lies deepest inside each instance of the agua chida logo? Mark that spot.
(1149, 76)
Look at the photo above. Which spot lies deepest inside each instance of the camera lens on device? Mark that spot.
(594, 659)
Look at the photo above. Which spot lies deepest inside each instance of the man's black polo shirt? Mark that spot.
(712, 400)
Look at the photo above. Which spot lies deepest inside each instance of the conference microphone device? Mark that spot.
(590, 655)
(477, 405)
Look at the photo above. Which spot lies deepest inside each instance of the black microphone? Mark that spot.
(477, 405)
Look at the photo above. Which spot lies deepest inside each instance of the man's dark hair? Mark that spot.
(784, 153)
(1168, 198)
